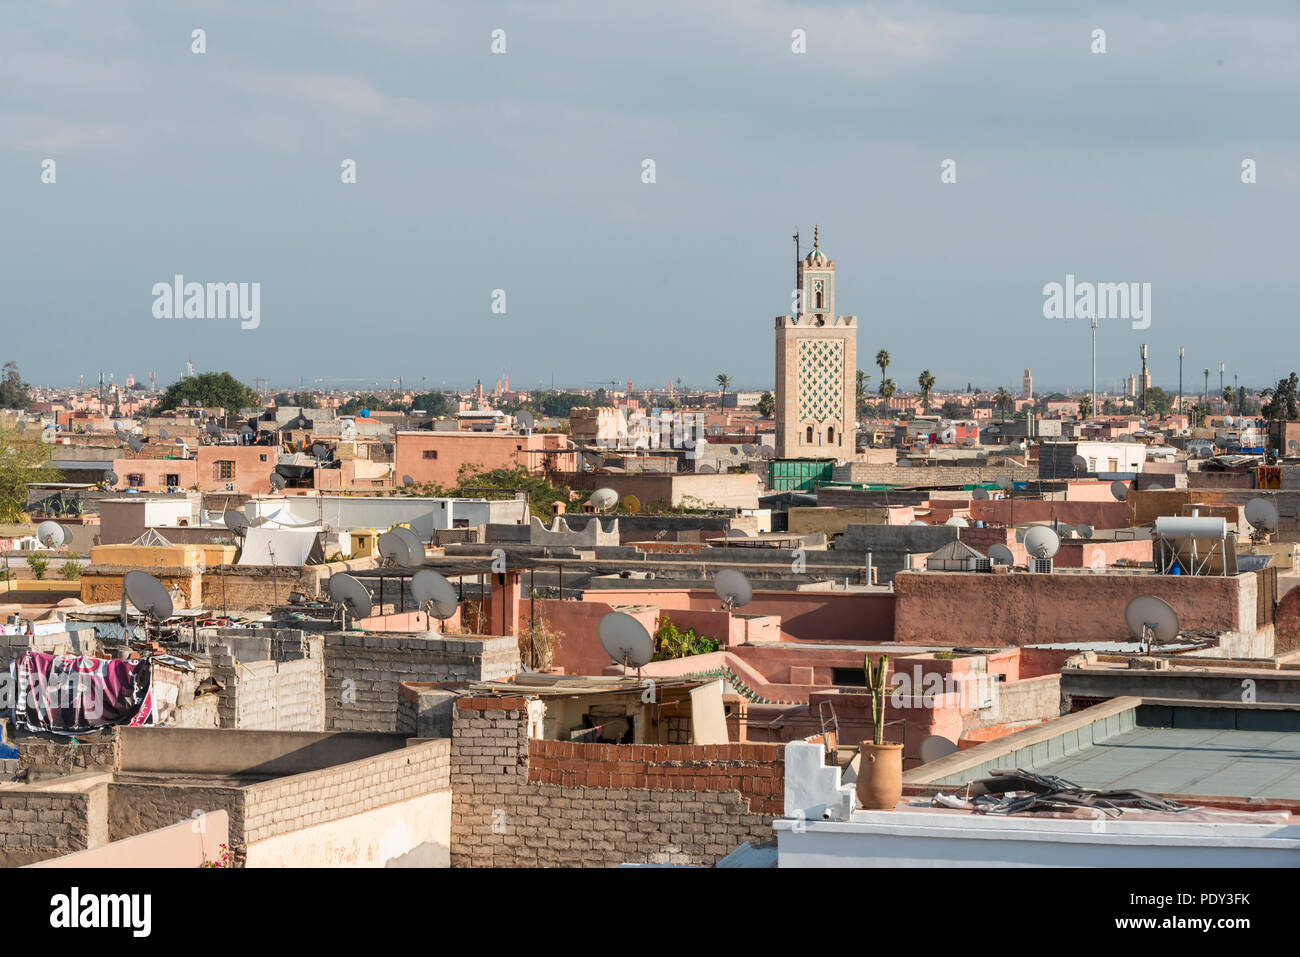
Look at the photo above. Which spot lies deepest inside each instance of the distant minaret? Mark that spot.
(1027, 386)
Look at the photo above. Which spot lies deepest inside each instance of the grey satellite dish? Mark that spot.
(1079, 463)
(52, 534)
(980, 494)
(603, 498)
(767, 452)
(970, 442)
(1119, 490)
(957, 522)
(734, 450)
(1293, 445)
(1042, 542)
(408, 481)
(134, 444)
(524, 420)
(1262, 514)
(936, 746)
(982, 458)
(395, 549)
(236, 521)
(917, 521)
(277, 481)
(110, 477)
(738, 533)
(1203, 452)
(434, 594)
(706, 470)
(999, 554)
(413, 544)
(1155, 487)
(147, 594)
(245, 430)
(319, 451)
(1085, 531)
(351, 597)
(1151, 620)
(625, 640)
(1006, 483)
(164, 434)
(732, 587)
(214, 429)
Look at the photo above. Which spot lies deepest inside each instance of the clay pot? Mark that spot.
(880, 776)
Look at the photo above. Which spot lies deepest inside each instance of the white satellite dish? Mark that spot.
(350, 596)
(936, 746)
(52, 534)
(1151, 620)
(434, 594)
(147, 595)
(603, 499)
(625, 640)
(1262, 514)
(958, 522)
(1042, 542)
(732, 587)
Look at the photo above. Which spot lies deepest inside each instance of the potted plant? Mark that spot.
(880, 765)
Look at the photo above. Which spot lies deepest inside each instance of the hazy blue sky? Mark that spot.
(522, 172)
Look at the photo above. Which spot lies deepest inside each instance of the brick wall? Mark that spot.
(508, 813)
(281, 689)
(36, 823)
(303, 800)
(53, 756)
(362, 672)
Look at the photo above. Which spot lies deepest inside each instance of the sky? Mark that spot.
(518, 179)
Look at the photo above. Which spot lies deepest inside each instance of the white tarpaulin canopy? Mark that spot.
(281, 546)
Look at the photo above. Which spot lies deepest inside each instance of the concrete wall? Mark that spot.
(274, 682)
(179, 845)
(1022, 608)
(504, 815)
(863, 473)
(47, 820)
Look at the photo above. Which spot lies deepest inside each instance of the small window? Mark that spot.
(261, 458)
(809, 435)
(830, 435)
(849, 677)
(173, 479)
(224, 469)
(135, 480)
(430, 453)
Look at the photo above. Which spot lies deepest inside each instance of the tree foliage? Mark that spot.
(209, 390)
(22, 460)
(14, 392)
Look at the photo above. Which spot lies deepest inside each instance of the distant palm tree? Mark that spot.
(882, 360)
(724, 383)
(1003, 402)
(863, 380)
(1085, 407)
(926, 381)
(887, 389)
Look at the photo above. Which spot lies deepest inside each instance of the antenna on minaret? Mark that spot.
(798, 309)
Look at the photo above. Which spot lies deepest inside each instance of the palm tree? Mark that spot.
(1229, 395)
(1085, 407)
(1003, 402)
(863, 380)
(724, 383)
(887, 389)
(882, 360)
(926, 382)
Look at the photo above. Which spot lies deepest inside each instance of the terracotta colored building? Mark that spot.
(438, 456)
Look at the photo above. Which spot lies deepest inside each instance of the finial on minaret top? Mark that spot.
(816, 238)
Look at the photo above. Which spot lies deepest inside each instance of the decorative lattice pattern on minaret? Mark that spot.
(821, 375)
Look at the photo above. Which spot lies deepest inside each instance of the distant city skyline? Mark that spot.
(523, 173)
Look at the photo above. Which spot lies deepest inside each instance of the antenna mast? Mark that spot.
(798, 309)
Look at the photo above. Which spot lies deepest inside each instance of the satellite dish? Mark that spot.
(625, 640)
(1293, 445)
(351, 596)
(957, 522)
(319, 451)
(734, 450)
(396, 548)
(999, 554)
(1203, 452)
(631, 504)
(1155, 487)
(434, 594)
(982, 458)
(147, 594)
(970, 442)
(948, 436)
(1006, 483)
(980, 494)
(732, 587)
(214, 429)
(1079, 463)
(245, 430)
(236, 521)
(766, 451)
(110, 477)
(164, 434)
(524, 420)
(706, 470)
(47, 436)
(408, 481)
(603, 498)
(1262, 514)
(936, 746)
(134, 444)
(1085, 531)
(1151, 620)
(52, 534)
(277, 481)
(1041, 541)
(1119, 490)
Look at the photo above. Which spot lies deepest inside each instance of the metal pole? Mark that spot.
(1094, 365)
(1180, 380)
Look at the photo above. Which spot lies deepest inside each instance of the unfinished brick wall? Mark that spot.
(37, 824)
(504, 814)
(362, 672)
(285, 692)
(41, 756)
(303, 800)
